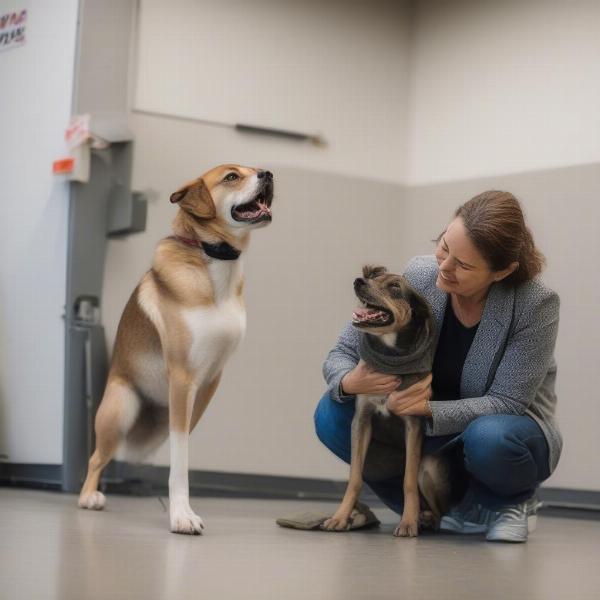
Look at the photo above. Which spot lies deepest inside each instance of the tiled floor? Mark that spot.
(51, 549)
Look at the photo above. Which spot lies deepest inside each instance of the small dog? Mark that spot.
(181, 323)
(397, 338)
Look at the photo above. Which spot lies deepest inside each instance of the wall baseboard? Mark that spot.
(152, 480)
(31, 476)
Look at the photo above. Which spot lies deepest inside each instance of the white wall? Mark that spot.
(35, 104)
(337, 68)
(502, 87)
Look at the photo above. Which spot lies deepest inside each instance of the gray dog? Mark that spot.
(398, 335)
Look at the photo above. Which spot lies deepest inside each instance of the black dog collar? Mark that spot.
(222, 251)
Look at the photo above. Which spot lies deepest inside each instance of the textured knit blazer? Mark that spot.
(510, 367)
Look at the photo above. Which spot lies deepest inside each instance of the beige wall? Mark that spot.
(338, 68)
(509, 91)
(563, 212)
(298, 293)
(505, 87)
(334, 212)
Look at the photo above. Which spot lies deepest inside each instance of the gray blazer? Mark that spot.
(510, 367)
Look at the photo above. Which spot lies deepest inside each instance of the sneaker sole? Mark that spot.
(454, 526)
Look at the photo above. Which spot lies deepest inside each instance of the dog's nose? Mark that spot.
(266, 174)
(358, 283)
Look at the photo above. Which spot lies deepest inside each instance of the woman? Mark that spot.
(490, 401)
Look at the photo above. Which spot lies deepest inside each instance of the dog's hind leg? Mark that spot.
(116, 414)
(435, 487)
(149, 431)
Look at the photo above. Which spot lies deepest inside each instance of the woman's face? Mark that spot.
(463, 270)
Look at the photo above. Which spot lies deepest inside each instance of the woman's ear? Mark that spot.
(500, 275)
(195, 199)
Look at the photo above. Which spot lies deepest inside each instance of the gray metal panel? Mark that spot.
(75, 436)
(101, 89)
(105, 36)
(87, 231)
(126, 210)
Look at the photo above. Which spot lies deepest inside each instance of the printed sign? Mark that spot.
(12, 30)
(79, 140)
(78, 130)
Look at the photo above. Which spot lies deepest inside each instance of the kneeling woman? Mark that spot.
(489, 404)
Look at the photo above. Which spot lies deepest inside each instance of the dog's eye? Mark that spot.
(231, 177)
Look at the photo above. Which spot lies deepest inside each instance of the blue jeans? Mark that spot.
(503, 458)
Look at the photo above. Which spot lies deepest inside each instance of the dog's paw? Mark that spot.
(427, 521)
(407, 528)
(94, 501)
(336, 523)
(185, 520)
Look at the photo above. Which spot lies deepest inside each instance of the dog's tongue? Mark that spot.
(367, 314)
(259, 210)
(263, 208)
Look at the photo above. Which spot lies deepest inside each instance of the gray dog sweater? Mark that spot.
(416, 359)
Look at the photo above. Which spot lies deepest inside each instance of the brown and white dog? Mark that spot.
(182, 322)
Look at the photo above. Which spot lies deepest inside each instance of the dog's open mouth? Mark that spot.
(371, 316)
(255, 211)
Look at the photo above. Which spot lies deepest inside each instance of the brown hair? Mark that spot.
(496, 225)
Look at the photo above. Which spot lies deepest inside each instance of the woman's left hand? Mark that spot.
(413, 401)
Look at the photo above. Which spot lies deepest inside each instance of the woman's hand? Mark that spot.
(363, 380)
(413, 401)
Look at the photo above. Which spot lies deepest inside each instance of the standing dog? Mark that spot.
(397, 338)
(181, 323)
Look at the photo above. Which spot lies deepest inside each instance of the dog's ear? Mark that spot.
(370, 272)
(196, 199)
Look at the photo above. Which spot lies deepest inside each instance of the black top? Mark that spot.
(453, 347)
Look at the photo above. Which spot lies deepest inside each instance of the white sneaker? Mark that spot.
(514, 523)
(467, 517)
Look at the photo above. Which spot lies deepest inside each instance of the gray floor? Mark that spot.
(50, 549)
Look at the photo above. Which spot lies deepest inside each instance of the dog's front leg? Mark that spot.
(361, 438)
(182, 392)
(409, 524)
